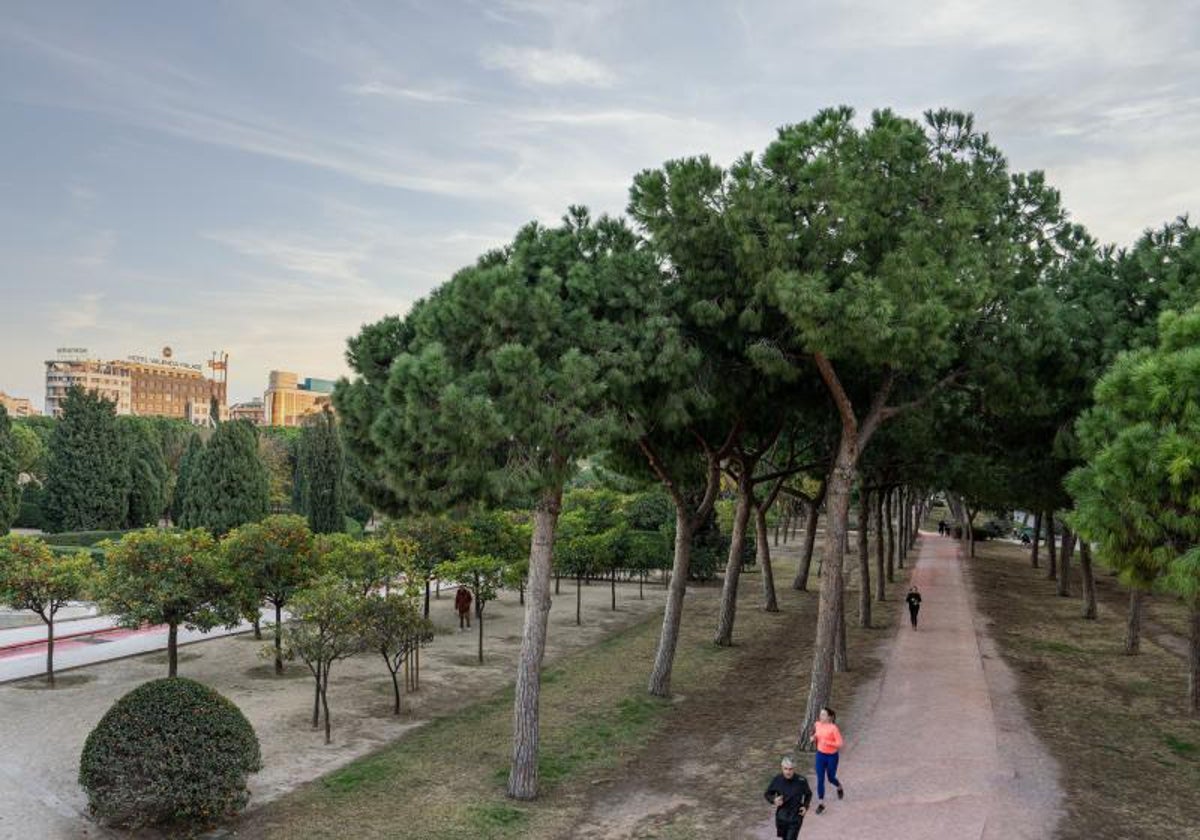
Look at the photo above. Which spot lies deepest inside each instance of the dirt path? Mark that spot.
(945, 751)
(702, 776)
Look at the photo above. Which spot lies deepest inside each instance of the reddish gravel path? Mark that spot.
(944, 751)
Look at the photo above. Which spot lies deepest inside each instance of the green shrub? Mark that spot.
(82, 538)
(170, 752)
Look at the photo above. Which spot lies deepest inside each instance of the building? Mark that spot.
(73, 368)
(146, 387)
(252, 411)
(288, 400)
(17, 406)
(162, 387)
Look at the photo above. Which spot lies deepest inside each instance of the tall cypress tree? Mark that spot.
(148, 472)
(187, 465)
(88, 485)
(228, 484)
(321, 467)
(10, 490)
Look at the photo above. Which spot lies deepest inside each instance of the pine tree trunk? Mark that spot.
(417, 668)
(557, 578)
(427, 588)
(837, 511)
(1088, 580)
(523, 776)
(770, 604)
(1064, 564)
(891, 536)
(1193, 704)
(1133, 623)
(971, 532)
(614, 589)
(258, 627)
(579, 599)
(864, 560)
(902, 523)
(733, 566)
(1051, 547)
(172, 649)
(880, 585)
(664, 658)
(810, 537)
(841, 658)
(278, 638)
(1037, 534)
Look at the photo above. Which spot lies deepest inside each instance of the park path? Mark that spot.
(944, 750)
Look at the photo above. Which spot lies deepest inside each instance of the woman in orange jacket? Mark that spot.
(828, 739)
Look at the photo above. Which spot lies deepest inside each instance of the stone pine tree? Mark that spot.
(149, 474)
(88, 484)
(227, 485)
(688, 429)
(320, 462)
(495, 387)
(1138, 495)
(10, 489)
(187, 468)
(890, 250)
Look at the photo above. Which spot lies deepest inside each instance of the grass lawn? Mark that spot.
(1129, 755)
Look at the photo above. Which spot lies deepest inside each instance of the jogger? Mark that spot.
(790, 794)
(914, 605)
(828, 739)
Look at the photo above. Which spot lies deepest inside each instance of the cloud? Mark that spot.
(554, 67)
(386, 91)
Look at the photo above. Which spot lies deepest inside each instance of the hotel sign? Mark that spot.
(143, 360)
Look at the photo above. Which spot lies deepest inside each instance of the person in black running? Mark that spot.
(790, 794)
(913, 599)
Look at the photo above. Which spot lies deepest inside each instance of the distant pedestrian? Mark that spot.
(913, 599)
(462, 603)
(942, 528)
(828, 739)
(790, 794)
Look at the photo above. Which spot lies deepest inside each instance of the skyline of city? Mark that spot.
(265, 179)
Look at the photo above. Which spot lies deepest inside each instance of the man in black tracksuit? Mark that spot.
(790, 794)
(914, 605)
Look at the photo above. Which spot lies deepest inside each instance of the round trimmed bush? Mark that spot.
(172, 751)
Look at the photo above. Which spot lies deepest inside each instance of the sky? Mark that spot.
(264, 177)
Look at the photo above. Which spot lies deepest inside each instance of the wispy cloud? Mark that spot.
(551, 67)
(387, 91)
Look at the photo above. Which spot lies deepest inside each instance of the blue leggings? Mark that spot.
(826, 765)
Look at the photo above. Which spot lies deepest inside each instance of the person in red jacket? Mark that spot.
(828, 740)
(462, 603)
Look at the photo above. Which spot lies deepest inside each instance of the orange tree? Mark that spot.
(32, 577)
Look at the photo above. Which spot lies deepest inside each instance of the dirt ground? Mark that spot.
(614, 762)
(1115, 723)
(44, 730)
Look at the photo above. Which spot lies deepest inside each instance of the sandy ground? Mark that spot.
(44, 731)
